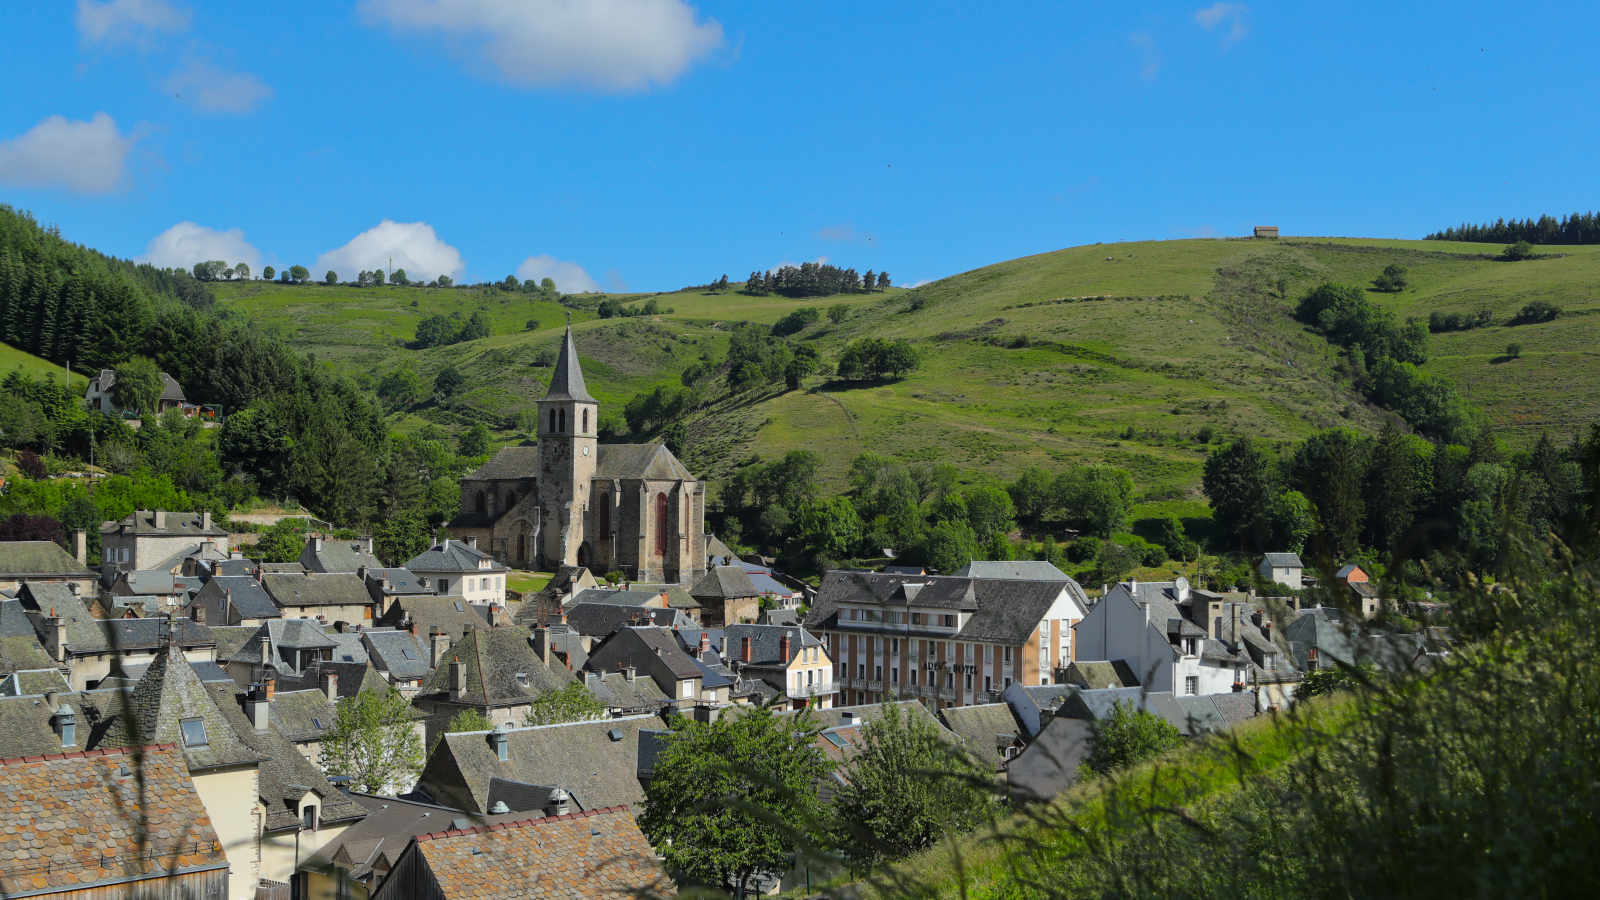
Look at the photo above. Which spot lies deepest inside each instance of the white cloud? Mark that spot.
(1147, 49)
(186, 243)
(412, 245)
(607, 45)
(1222, 13)
(570, 277)
(918, 284)
(135, 22)
(213, 89)
(83, 156)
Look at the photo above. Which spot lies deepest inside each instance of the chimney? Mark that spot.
(410, 625)
(236, 554)
(80, 547)
(705, 643)
(559, 804)
(316, 545)
(494, 616)
(1238, 629)
(473, 542)
(439, 642)
(744, 648)
(257, 704)
(161, 520)
(269, 687)
(783, 647)
(205, 522)
(56, 636)
(541, 644)
(198, 613)
(64, 722)
(329, 682)
(367, 541)
(458, 679)
(629, 673)
(500, 742)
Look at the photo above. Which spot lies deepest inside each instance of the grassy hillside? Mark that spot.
(1119, 352)
(13, 359)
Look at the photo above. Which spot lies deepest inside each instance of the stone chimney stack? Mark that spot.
(458, 679)
(161, 520)
(205, 521)
(541, 644)
(198, 613)
(473, 542)
(329, 682)
(56, 636)
(744, 648)
(258, 704)
(705, 643)
(316, 545)
(80, 547)
(439, 643)
(1237, 631)
(783, 647)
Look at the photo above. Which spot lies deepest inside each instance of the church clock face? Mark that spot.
(586, 451)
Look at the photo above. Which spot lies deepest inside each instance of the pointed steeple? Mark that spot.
(566, 383)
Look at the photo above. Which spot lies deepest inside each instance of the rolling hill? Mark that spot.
(1120, 352)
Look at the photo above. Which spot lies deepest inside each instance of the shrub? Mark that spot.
(1083, 549)
(1519, 251)
(1538, 311)
(1514, 350)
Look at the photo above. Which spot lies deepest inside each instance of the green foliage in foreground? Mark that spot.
(572, 703)
(1476, 775)
(1129, 736)
(374, 743)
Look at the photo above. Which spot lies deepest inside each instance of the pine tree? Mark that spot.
(883, 281)
(867, 282)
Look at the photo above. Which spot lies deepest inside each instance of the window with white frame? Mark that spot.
(1191, 685)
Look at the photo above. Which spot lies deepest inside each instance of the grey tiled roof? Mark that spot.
(493, 657)
(349, 648)
(145, 634)
(648, 640)
(724, 583)
(167, 693)
(389, 826)
(453, 614)
(1025, 569)
(232, 638)
(678, 596)
(34, 682)
(765, 642)
(317, 589)
(652, 462)
(986, 729)
(581, 757)
(566, 379)
(338, 556)
(39, 558)
(1216, 712)
(354, 678)
(1098, 704)
(1004, 611)
(452, 556)
(303, 715)
(719, 552)
(508, 464)
(602, 619)
(1101, 673)
(244, 594)
(178, 524)
(1284, 560)
(22, 652)
(615, 597)
(614, 691)
(399, 580)
(283, 772)
(399, 653)
(14, 621)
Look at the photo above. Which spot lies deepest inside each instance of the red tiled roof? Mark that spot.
(600, 853)
(73, 819)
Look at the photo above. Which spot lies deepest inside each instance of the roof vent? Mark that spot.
(849, 717)
(499, 808)
(559, 803)
(461, 824)
(615, 734)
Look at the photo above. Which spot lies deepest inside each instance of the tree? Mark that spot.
(1330, 469)
(1130, 736)
(830, 529)
(571, 703)
(477, 327)
(138, 385)
(299, 274)
(1241, 481)
(1397, 275)
(242, 271)
(447, 383)
(399, 277)
(989, 512)
(947, 546)
(838, 312)
(435, 331)
(1321, 682)
(1519, 251)
(869, 281)
(1170, 535)
(1095, 498)
(25, 527)
(1114, 562)
(282, 542)
(1514, 350)
(377, 276)
(29, 464)
(445, 281)
(796, 371)
(401, 388)
(331, 278)
(727, 798)
(1032, 495)
(373, 741)
(907, 788)
(267, 273)
(474, 441)
(883, 281)
(400, 537)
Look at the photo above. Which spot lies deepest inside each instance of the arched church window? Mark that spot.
(552, 421)
(605, 515)
(661, 523)
(482, 503)
(585, 422)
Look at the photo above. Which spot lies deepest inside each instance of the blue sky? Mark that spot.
(650, 144)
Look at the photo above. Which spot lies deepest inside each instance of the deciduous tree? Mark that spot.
(373, 741)
(570, 703)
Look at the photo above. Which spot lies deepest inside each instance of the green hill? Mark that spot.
(1120, 352)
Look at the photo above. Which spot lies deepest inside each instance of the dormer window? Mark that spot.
(1269, 661)
(1190, 646)
(308, 817)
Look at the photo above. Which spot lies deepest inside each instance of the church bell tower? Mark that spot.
(568, 420)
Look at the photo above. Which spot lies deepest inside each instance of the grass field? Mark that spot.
(12, 359)
(1119, 353)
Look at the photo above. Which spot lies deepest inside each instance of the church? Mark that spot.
(572, 501)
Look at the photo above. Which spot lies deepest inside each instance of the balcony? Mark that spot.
(807, 691)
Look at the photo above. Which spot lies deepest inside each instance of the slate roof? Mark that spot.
(615, 692)
(596, 854)
(145, 634)
(659, 641)
(14, 621)
(452, 556)
(1284, 560)
(84, 634)
(1004, 611)
(283, 635)
(581, 757)
(303, 715)
(986, 729)
(244, 594)
(284, 773)
(718, 551)
(724, 583)
(178, 524)
(566, 379)
(231, 639)
(338, 556)
(219, 567)
(399, 653)
(1025, 569)
(652, 462)
(602, 619)
(39, 558)
(34, 682)
(22, 652)
(765, 643)
(317, 589)
(84, 822)
(778, 617)
(1101, 673)
(453, 614)
(354, 678)
(1098, 704)
(1217, 712)
(348, 647)
(493, 657)
(508, 464)
(614, 597)
(168, 692)
(678, 596)
(400, 581)
(287, 568)
(25, 727)
(389, 826)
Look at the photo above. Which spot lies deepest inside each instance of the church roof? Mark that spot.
(509, 464)
(643, 461)
(566, 382)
